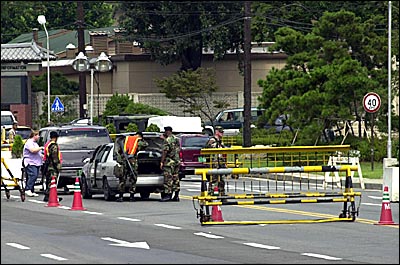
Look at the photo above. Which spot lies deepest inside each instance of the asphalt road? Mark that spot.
(153, 232)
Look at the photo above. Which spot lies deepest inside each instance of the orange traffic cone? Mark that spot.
(53, 198)
(386, 212)
(216, 213)
(77, 203)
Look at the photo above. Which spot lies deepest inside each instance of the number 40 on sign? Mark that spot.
(371, 102)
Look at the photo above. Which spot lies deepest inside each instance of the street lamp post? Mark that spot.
(42, 21)
(101, 64)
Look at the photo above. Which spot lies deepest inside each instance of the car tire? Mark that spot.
(144, 195)
(108, 194)
(86, 194)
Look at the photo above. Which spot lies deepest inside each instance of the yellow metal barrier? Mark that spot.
(347, 196)
(11, 183)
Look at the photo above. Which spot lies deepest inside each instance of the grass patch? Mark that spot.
(367, 172)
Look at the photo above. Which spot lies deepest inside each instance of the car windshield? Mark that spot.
(195, 142)
(25, 133)
(82, 139)
(6, 120)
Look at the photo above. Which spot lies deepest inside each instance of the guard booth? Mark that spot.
(277, 175)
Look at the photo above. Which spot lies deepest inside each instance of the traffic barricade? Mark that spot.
(9, 182)
(291, 180)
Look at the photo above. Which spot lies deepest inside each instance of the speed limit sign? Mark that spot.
(371, 102)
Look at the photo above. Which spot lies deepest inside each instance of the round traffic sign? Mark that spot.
(371, 102)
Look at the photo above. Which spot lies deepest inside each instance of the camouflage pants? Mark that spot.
(171, 179)
(48, 175)
(219, 181)
(128, 178)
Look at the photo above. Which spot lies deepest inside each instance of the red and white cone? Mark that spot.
(53, 198)
(77, 203)
(386, 212)
(216, 213)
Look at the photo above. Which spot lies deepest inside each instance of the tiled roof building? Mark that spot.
(24, 52)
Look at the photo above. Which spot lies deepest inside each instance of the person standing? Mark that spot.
(52, 166)
(218, 161)
(12, 132)
(170, 162)
(32, 161)
(128, 163)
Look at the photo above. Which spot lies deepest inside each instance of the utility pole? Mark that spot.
(81, 48)
(247, 75)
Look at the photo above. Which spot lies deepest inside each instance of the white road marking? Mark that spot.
(207, 235)
(261, 246)
(129, 219)
(64, 207)
(375, 197)
(36, 201)
(16, 245)
(320, 256)
(168, 226)
(193, 190)
(121, 243)
(372, 204)
(51, 256)
(94, 213)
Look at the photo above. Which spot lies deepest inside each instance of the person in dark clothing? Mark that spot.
(52, 164)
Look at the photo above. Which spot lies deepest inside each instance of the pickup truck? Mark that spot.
(97, 175)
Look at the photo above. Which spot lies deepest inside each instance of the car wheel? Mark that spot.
(86, 194)
(108, 194)
(144, 195)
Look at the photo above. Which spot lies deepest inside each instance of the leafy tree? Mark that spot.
(17, 17)
(323, 81)
(193, 91)
(152, 128)
(18, 146)
(67, 116)
(139, 108)
(111, 128)
(132, 127)
(173, 31)
(59, 84)
(123, 104)
(116, 105)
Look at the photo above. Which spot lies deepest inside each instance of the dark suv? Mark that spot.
(190, 156)
(76, 143)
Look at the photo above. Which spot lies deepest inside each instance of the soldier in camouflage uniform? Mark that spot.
(170, 162)
(52, 165)
(218, 161)
(124, 173)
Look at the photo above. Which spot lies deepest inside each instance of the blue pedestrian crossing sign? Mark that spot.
(57, 106)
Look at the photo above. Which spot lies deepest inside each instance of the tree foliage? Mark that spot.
(123, 104)
(327, 73)
(193, 90)
(59, 84)
(18, 17)
(179, 30)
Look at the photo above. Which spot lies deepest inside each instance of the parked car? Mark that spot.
(7, 119)
(76, 143)
(191, 159)
(231, 120)
(97, 174)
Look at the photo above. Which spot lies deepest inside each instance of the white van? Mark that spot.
(7, 119)
(178, 124)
